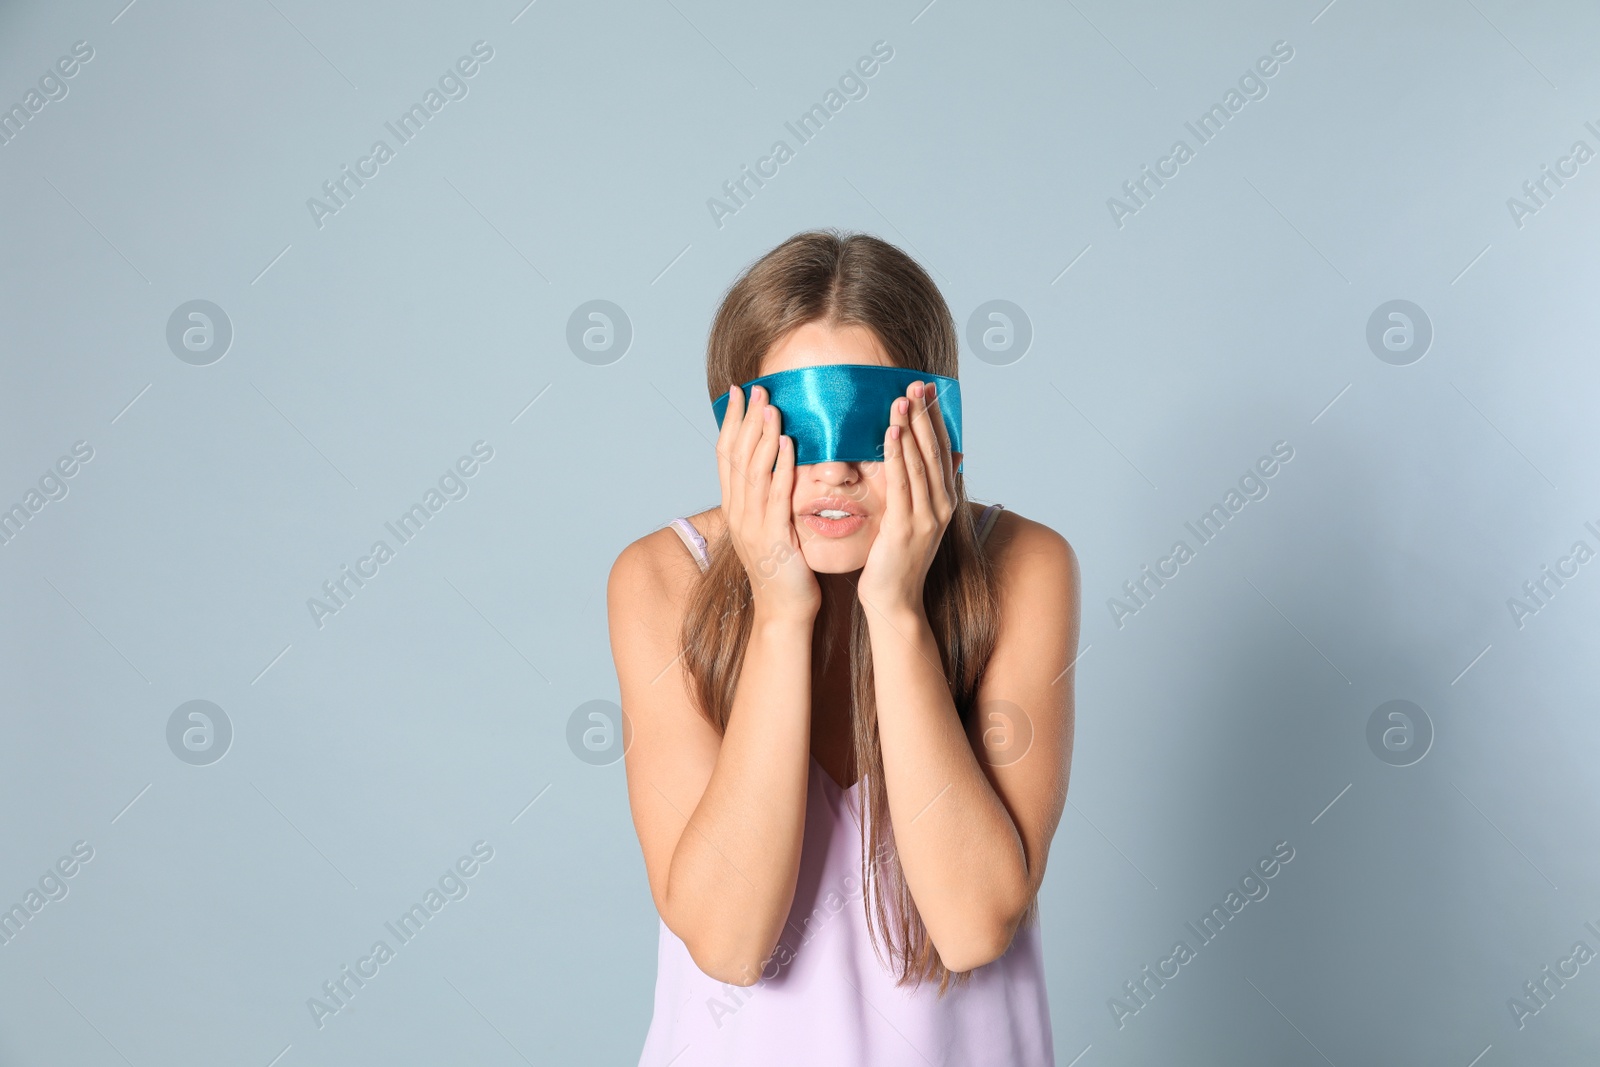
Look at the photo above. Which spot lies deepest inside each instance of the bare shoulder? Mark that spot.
(656, 570)
(1027, 552)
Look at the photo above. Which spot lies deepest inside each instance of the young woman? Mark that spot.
(851, 707)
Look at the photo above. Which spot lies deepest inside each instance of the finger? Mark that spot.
(911, 449)
(765, 454)
(936, 448)
(749, 433)
(733, 425)
(731, 416)
(922, 456)
(761, 461)
(748, 491)
(780, 501)
(936, 414)
(896, 493)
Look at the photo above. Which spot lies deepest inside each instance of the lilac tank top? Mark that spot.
(825, 997)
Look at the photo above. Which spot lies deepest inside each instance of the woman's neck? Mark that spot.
(830, 662)
(833, 618)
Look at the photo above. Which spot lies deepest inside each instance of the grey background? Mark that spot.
(432, 711)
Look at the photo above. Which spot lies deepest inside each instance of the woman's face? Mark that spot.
(833, 546)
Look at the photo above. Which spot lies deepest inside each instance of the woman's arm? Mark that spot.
(722, 819)
(973, 815)
(972, 820)
(720, 823)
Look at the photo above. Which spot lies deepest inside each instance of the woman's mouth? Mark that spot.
(834, 518)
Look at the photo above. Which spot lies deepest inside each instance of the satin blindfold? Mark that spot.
(840, 411)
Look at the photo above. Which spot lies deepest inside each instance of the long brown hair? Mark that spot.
(848, 280)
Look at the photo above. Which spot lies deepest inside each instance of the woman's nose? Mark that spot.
(836, 472)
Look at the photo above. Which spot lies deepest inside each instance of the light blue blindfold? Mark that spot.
(840, 411)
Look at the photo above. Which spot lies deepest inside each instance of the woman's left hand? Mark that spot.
(919, 492)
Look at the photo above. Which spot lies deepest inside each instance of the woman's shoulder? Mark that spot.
(1018, 542)
(659, 565)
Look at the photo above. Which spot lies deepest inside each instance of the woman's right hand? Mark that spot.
(758, 506)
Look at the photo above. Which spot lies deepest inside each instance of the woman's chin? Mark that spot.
(834, 557)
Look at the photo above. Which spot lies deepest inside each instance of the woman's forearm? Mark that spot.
(732, 878)
(963, 859)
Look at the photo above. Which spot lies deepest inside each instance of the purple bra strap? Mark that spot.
(987, 519)
(693, 541)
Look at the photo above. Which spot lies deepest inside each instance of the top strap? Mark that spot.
(986, 521)
(693, 541)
